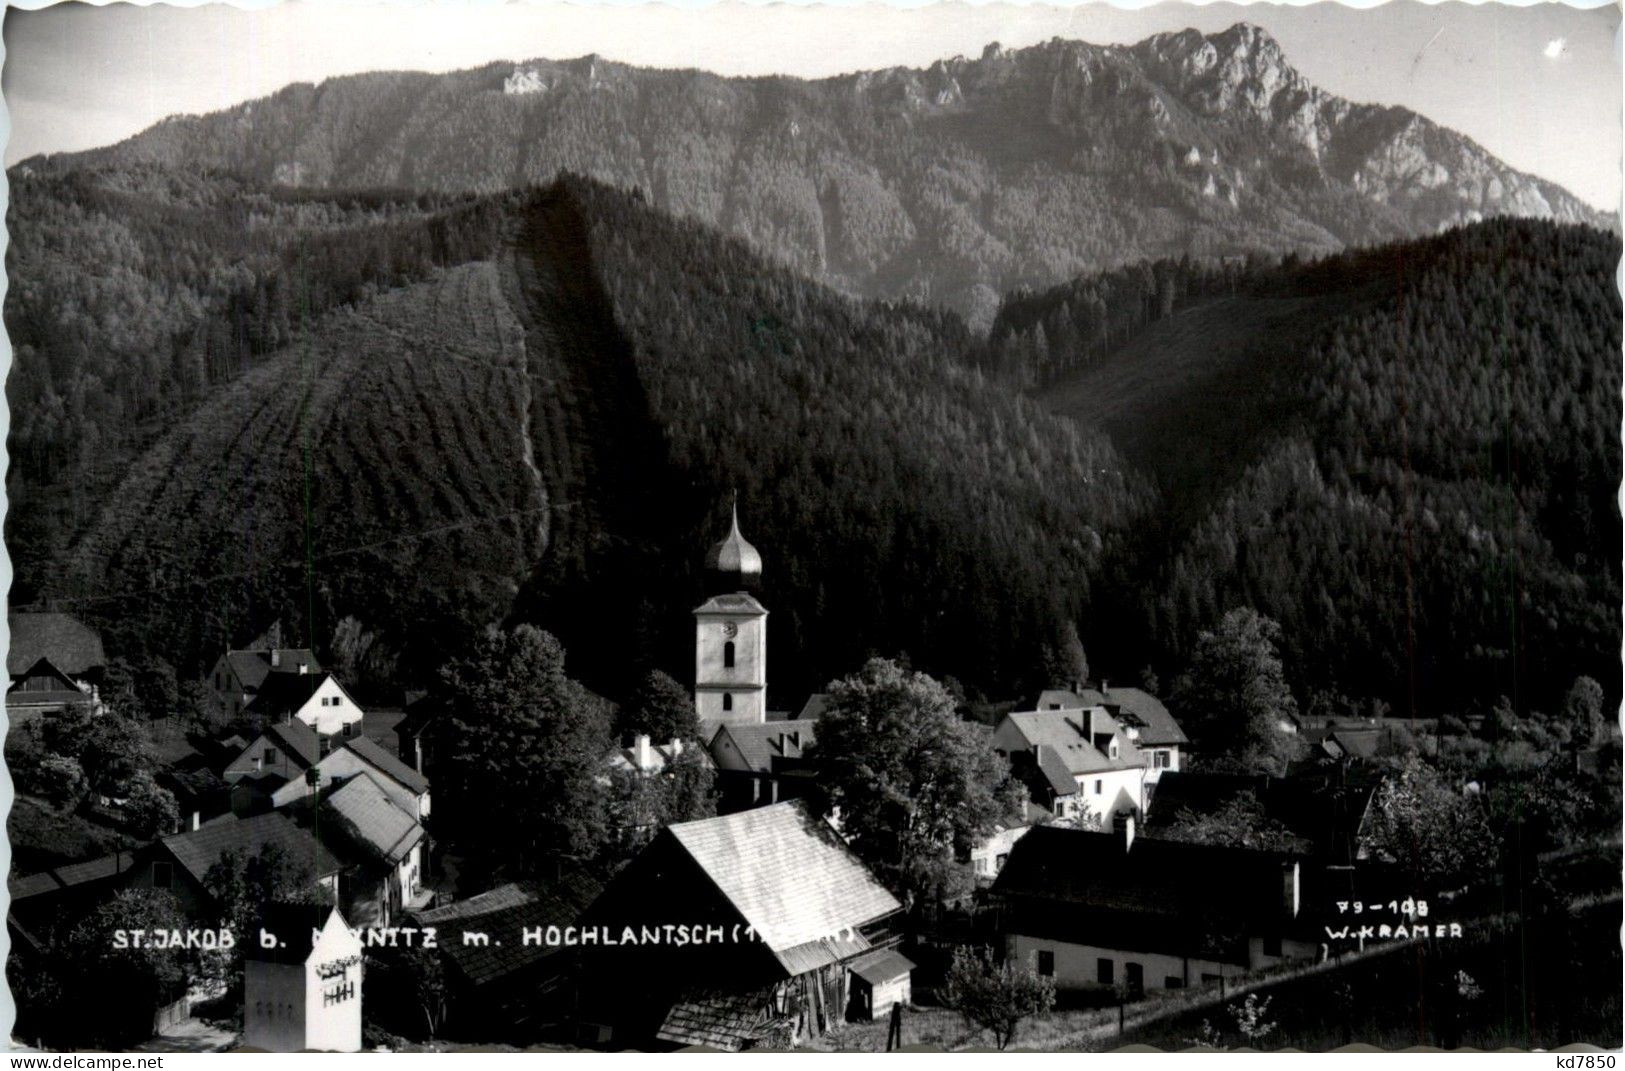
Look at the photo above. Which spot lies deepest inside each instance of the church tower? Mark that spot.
(730, 636)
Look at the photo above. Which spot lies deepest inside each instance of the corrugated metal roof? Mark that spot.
(788, 874)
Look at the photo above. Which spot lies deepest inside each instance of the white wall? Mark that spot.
(320, 713)
(1077, 966)
(274, 1005)
(1098, 802)
(745, 680)
(333, 1027)
(341, 764)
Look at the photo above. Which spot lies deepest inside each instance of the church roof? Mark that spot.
(733, 603)
(733, 554)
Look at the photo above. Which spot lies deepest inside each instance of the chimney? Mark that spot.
(1289, 888)
(1123, 830)
(276, 658)
(304, 667)
(640, 752)
(676, 746)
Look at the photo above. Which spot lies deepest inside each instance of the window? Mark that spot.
(1055, 706)
(727, 701)
(1272, 944)
(1134, 977)
(728, 655)
(162, 875)
(1114, 749)
(1103, 971)
(1060, 807)
(1098, 786)
(270, 756)
(998, 864)
(349, 728)
(1046, 964)
(1162, 760)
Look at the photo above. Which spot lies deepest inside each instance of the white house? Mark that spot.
(1143, 716)
(1080, 764)
(405, 787)
(304, 992)
(1108, 910)
(988, 856)
(317, 699)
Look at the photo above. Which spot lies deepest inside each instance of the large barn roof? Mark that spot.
(792, 878)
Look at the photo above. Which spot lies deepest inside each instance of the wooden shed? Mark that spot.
(879, 980)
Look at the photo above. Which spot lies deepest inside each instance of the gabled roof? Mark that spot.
(64, 692)
(1063, 730)
(375, 821)
(298, 740)
(200, 849)
(814, 707)
(253, 667)
(1132, 706)
(791, 878)
(759, 743)
(73, 646)
(1160, 895)
(505, 914)
(286, 693)
(374, 755)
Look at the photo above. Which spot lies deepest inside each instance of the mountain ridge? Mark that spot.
(953, 183)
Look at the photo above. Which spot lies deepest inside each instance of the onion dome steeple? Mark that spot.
(732, 564)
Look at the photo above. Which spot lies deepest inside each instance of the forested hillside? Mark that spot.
(555, 431)
(1408, 456)
(135, 295)
(953, 184)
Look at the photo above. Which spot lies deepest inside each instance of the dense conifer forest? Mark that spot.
(389, 418)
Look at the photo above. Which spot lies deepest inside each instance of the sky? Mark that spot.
(1538, 85)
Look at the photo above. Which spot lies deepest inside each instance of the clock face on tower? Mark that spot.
(729, 629)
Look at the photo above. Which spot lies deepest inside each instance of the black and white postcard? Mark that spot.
(851, 528)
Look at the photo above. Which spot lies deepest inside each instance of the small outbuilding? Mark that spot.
(880, 980)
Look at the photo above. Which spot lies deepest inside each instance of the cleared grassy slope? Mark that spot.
(377, 465)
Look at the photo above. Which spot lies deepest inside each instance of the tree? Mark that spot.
(528, 743)
(414, 977)
(995, 997)
(123, 983)
(200, 708)
(915, 785)
(1584, 711)
(1440, 835)
(58, 779)
(150, 808)
(642, 804)
(110, 747)
(1065, 663)
(1234, 695)
(240, 885)
(1240, 823)
(661, 709)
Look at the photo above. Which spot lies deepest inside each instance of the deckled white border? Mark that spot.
(8, 1009)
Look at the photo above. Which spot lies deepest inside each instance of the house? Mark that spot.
(501, 986)
(317, 699)
(988, 856)
(72, 646)
(416, 732)
(384, 847)
(1153, 730)
(1326, 809)
(44, 900)
(646, 757)
(304, 992)
(730, 931)
(180, 862)
(44, 689)
(200, 794)
(278, 757)
(238, 676)
(1080, 765)
(357, 756)
(1096, 910)
(763, 762)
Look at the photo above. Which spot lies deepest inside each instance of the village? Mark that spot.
(1094, 865)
